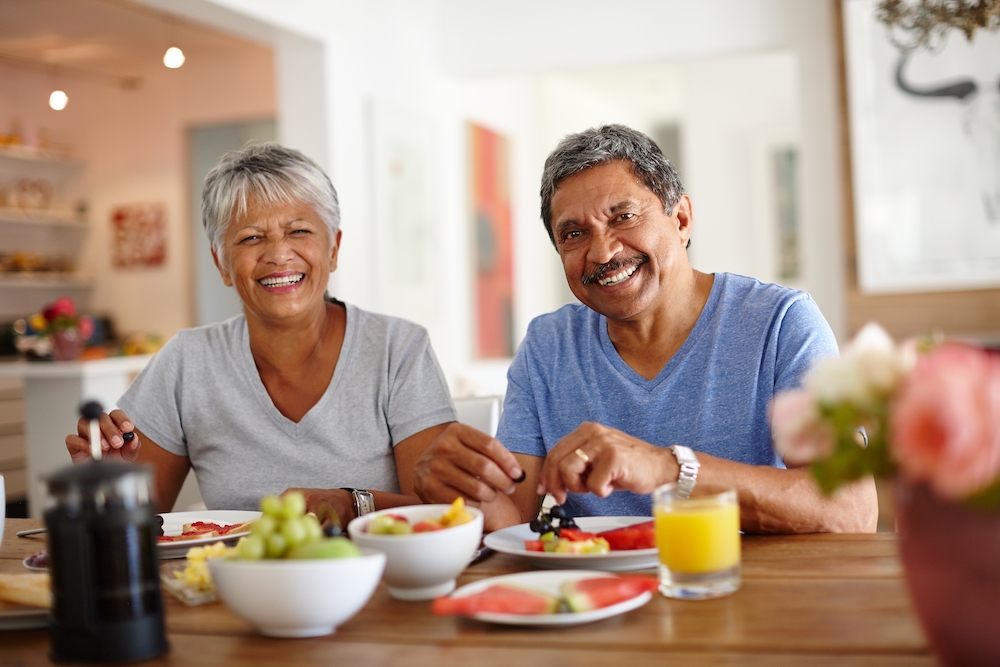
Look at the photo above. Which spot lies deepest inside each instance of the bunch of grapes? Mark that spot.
(283, 526)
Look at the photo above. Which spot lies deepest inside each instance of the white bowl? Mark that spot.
(297, 598)
(422, 566)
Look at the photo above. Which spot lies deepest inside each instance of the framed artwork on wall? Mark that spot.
(925, 157)
(492, 256)
(139, 235)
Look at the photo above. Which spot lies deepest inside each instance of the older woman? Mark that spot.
(300, 391)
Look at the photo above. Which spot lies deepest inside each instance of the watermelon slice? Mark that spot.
(497, 599)
(598, 592)
(637, 536)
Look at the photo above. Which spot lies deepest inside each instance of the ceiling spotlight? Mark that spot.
(173, 58)
(58, 100)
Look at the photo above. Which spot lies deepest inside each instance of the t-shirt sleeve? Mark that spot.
(153, 400)
(804, 337)
(419, 397)
(520, 430)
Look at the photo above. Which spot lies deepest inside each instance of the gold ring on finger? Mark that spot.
(582, 455)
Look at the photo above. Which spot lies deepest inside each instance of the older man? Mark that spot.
(660, 374)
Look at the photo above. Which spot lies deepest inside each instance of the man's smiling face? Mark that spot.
(619, 248)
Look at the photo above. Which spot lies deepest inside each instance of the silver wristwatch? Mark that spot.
(364, 501)
(689, 464)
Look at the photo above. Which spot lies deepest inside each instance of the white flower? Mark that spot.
(869, 371)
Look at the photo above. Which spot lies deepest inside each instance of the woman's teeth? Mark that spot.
(282, 281)
(618, 277)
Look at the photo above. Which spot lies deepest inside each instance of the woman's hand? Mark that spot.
(598, 459)
(321, 501)
(116, 430)
(463, 461)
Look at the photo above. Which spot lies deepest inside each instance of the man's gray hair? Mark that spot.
(265, 174)
(600, 145)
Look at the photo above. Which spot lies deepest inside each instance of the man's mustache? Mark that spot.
(614, 265)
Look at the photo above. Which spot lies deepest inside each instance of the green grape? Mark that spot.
(314, 531)
(251, 547)
(271, 505)
(294, 505)
(381, 525)
(294, 531)
(277, 545)
(264, 526)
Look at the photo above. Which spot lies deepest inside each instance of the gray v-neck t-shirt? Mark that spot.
(202, 397)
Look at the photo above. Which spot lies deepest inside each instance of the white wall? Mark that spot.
(506, 64)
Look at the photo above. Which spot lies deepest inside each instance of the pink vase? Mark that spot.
(951, 556)
(65, 344)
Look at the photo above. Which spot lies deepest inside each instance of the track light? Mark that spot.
(58, 100)
(173, 58)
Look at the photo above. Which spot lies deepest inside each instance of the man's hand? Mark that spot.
(463, 461)
(114, 428)
(599, 459)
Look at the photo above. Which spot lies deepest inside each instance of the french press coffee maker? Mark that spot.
(101, 525)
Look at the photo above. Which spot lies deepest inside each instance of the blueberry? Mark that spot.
(332, 530)
(558, 512)
(539, 526)
(568, 522)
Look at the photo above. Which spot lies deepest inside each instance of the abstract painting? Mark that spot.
(493, 252)
(138, 235)
(925, 157)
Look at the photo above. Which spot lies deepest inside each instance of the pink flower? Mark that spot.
(799, 435)
(86, 326)
(63, 306)
(945, 427)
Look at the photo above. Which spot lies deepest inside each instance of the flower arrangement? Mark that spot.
(930, 412)
(58, 330)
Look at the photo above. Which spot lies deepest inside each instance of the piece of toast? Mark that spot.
(33, 589)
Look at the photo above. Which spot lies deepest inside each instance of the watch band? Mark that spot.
(689, 465)
(364, 501)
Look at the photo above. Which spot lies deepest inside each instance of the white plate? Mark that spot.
(32, 567)
(548, 582)
(511, 541)
(16, 617)
(173, 524)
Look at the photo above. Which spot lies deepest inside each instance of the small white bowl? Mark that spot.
(297, 598)
(422, 566)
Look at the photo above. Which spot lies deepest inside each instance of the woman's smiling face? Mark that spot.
(279, 259)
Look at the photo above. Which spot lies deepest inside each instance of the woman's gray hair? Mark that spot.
(600, 145)
(266, 174)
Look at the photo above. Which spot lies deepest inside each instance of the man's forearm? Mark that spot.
(773, 500)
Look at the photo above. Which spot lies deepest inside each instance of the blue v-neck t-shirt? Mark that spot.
(751, 340)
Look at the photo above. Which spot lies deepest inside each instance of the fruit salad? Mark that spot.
(396, 524)
(560, 534)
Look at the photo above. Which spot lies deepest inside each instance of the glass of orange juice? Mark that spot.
(699, 543)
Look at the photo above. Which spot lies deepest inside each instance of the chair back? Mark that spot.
(481, 412)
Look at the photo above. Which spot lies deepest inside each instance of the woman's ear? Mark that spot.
(223, 271)
(334, 251)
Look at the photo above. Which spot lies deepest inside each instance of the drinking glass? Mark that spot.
(699, 543)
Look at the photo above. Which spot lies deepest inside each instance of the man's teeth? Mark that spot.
(282, 281)
(618, 277)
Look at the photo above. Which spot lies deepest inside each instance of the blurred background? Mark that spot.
(433, 119)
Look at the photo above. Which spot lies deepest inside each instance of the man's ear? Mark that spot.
(334, 252)
(226, 278)
(684, 216)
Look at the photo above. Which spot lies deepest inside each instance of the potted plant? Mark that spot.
(58, 330)
(927, 415)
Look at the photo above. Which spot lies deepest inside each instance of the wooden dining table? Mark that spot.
(806, 600)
